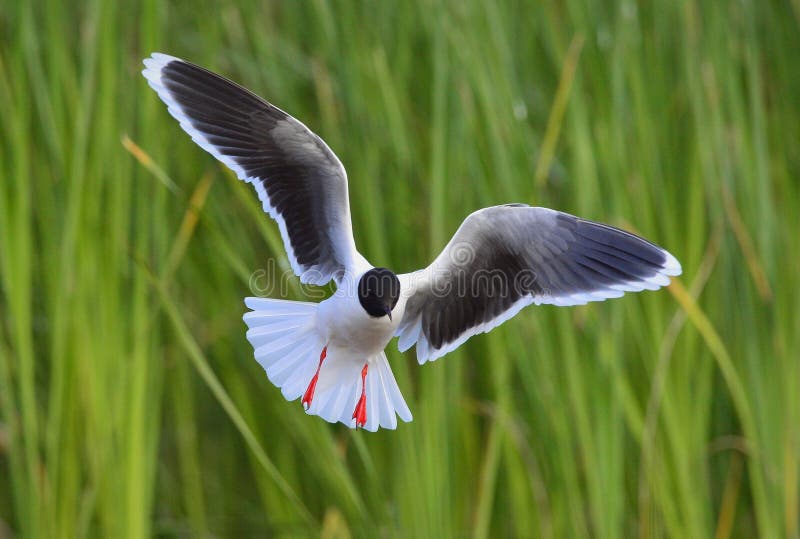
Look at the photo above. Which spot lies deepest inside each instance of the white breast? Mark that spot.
(347, 326)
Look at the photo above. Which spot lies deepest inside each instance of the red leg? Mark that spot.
(312, 385)
(360, 413)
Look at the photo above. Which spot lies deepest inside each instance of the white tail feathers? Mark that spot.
(288, 345)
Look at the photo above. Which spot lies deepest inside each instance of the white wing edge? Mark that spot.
(411, 332)
(152, 72)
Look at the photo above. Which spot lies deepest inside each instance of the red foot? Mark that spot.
(360, 413)
(312, 385)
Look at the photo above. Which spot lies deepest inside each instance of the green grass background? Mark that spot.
(131, 406)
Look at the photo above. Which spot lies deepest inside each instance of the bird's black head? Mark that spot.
(378, 292)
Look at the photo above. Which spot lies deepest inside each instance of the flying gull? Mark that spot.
(331, 354)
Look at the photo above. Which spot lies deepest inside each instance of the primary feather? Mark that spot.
(299, 180)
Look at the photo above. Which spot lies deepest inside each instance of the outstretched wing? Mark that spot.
(299, 180)
(506, 257)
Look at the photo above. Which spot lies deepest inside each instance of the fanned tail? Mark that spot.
(285, 340)
(340, 388)
(288, 346)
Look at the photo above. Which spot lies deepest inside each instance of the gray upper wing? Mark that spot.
(506, 257)
(299, 180)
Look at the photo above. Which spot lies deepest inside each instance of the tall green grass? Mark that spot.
(130, 404)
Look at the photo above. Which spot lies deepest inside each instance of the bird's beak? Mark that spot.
(388, 311)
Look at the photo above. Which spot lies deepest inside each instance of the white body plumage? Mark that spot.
(347, 326)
